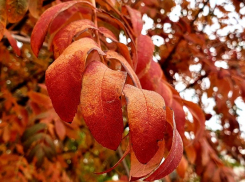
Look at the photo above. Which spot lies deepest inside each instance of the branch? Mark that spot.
(25, 39)
(165, 62)
(195, 82)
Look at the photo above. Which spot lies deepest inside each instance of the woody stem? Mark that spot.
(96, 31)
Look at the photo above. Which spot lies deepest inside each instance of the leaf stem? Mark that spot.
(96, 31)
(124, 162)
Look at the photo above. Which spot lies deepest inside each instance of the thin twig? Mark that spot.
(96, 30)
(124, 162)
(26, 39)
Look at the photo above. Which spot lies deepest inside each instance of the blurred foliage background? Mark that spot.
(200, 47)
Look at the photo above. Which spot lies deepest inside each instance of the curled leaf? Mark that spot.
(101, 104)
(146, 119)
(136, 20)
(65, 36)
(114, 55)
(145, 48)
(175, 154)
(64, 77)
(139, 170)
(40, 30)
(164, 90)
(177, 107)
(107, 33)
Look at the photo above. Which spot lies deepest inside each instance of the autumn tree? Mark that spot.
(95, 90)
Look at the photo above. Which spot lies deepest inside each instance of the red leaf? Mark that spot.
(175, 154)
(114, 55)
(146, 121)
(179, 115)
(101, 104)
(139, 170)
(64, 77)
(164, 90)
(198, 117)
(152, 78)
(42, 25)
(136, 20)
(12, 42)
(145, 48)
(65, 36)
(66, 17)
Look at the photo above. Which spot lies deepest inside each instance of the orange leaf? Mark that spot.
(12, 42)
(198, 117)
(114, 55)
(101, 104)
(146, 121)
(35, 7)
(139, 170)
(6, 134)
(123, 50)
(40, 99)
(16, 9)
(145, 48)
(208, 175)
(191, 153)
(64, 77)
(60, 129)
(182, 167)
(64, 37)
(175, 154)
(42, 25)
(3, 18)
